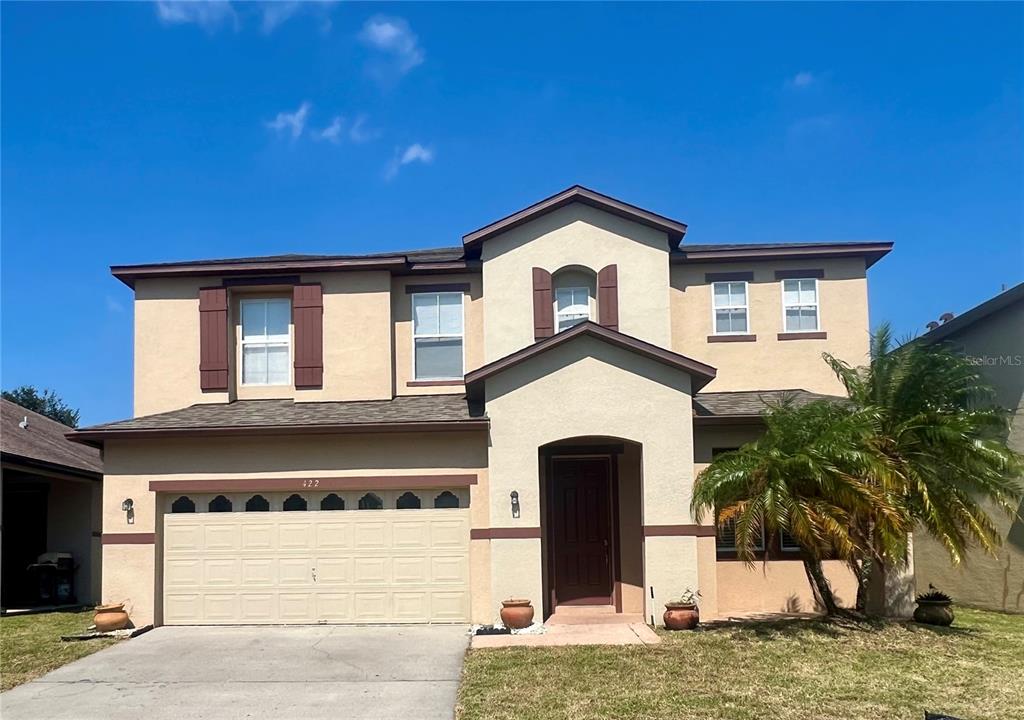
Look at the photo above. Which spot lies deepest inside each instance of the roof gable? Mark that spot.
(700, 373)
(575, 194)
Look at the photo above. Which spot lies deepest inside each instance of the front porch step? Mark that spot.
(592, 615)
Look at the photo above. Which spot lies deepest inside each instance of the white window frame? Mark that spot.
(461, 335)
(732, 548)
(745, 307)
(816, 305)
(243, 343)
(795, 548)
(573, 289)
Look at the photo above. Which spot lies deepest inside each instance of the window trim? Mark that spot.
(745, 307)
(574, 289)
(277, 343)
(817, 305)
(461, 335)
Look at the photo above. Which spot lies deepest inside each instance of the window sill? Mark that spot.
(731, 338)
(434, 383)
(816, 335)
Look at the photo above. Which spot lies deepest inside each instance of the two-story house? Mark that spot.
(416, 436)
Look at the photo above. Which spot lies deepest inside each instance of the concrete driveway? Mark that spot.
(411, 673)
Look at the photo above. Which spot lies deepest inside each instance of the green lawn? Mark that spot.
(30, 645)
(792, 670)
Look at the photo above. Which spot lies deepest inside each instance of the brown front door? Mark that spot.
(581, 531)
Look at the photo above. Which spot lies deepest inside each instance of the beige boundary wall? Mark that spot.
(132, 568)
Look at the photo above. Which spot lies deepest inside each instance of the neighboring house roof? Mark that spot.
(872, 252)
(702, 374)
(748, 405)
(420, 413)
(43, 443)
(976, 313)
(578, 194)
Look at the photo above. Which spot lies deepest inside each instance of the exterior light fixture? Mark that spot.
(515, 504)
(128, 505)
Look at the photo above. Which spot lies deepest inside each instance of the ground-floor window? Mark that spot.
(311, 501)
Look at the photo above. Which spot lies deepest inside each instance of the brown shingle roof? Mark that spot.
(43, 441)
(751, 403)
(427, 412)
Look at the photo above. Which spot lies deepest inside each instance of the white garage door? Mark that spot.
(281, 563)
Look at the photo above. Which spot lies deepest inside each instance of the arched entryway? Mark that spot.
(591, 495)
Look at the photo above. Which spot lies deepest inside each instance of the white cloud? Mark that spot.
(414, 153)
(207, 14)
(393, 36)
(273, 14)
(331, 133)
(294, 122)
(359, 133)
(802, 79)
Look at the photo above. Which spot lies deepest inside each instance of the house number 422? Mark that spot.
(310, 483)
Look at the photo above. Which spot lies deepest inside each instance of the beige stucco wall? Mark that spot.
(991, 581)
(131, 465)
(357, 342)
(587, 388)
(473, 330)
(769, 363)
(576, 235)
(777, 586)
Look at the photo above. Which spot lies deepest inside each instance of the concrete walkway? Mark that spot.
(248, 672)
(559, 634)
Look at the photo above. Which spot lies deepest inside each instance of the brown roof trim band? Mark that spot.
(355, 482)
(800, 274)
(679, 530)
(872, 252)
(505, 533)
(803, 336)
(727, 276)
(718, 420)
(731, 338)
(128, 539)
(439, 287)
(88, 436)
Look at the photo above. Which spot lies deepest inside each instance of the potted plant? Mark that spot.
(516, 613)
(110, 617)
(682, 613)
(934, 608)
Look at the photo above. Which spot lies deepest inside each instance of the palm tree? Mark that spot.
(940, 454)
(802, 477)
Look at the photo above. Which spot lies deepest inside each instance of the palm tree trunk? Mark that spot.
(820, 585)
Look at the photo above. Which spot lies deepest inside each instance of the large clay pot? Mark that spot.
(934, 612)
(110, 617)
(516, 613)
(681, 617)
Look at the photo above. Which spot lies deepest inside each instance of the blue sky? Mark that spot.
(139, 132)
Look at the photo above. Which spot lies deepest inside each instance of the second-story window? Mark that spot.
(437, 336)
(266, 352)
(572, 306)
(800, 304)
(730, 307)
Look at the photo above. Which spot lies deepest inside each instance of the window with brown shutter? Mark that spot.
(543, 305)
(308, 311)
(608, 297)
(213, 339)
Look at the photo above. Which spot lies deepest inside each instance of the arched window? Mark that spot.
(295, 502)
(408, 501)
(574, 292)
(220, 504)
(257, 503)
(183, 505)
(332, 502)
(446, 500)
(369, 501)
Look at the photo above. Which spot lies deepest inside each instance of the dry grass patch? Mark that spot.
(783, 671)
(30, 645)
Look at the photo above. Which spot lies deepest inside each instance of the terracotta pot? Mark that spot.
(681, 617)
(110, 617)
(934, 612)
(516, 613)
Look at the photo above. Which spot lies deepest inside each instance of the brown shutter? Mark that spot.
(213, 339)
(608, 297)
(308, 311)
(543, 305)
